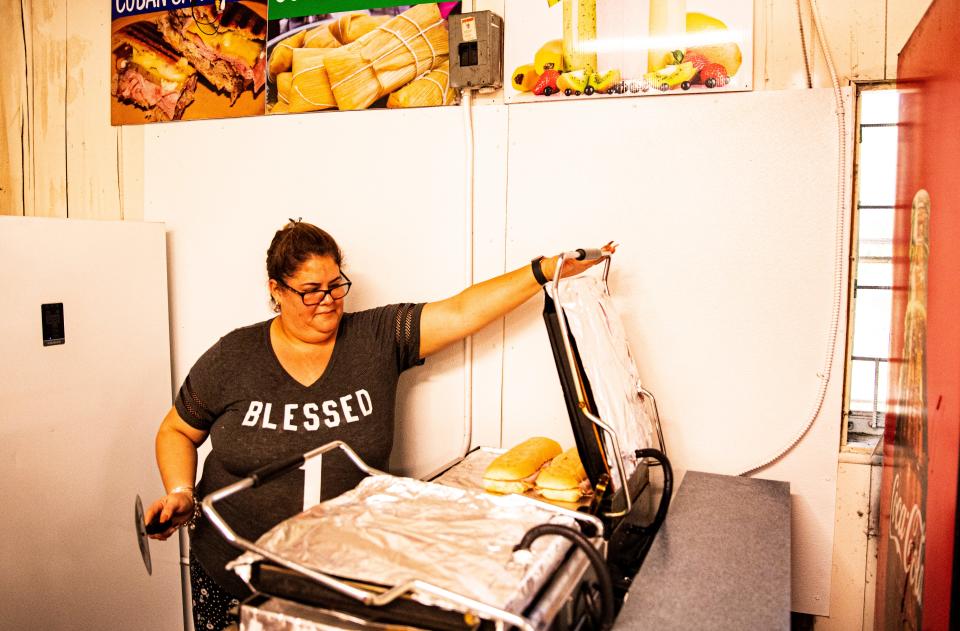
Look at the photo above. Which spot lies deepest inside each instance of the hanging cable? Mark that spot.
(596, 560)
(838, 283)
(467, 105)
(803, 45)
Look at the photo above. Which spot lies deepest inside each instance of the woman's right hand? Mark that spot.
(175, 508)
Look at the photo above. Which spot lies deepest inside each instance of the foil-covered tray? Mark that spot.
(262, 613)
(392, 530)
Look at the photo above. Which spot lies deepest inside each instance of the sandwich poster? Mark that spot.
(187, 59)
(590, 49)
(357, 54)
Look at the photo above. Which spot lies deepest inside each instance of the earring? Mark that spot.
(276, 305)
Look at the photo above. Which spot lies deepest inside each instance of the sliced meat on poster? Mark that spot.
(150, 74)
(227, 49)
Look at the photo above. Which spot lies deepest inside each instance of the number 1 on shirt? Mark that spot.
(311, 481)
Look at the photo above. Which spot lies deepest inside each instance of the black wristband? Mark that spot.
(538, 271)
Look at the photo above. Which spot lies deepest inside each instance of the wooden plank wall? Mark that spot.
(59, 156)
(13, 100)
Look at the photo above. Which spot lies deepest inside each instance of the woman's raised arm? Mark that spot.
(454, 318)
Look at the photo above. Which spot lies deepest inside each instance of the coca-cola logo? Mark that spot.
(909, 535)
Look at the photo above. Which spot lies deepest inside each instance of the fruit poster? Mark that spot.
(186, 59)
(562, 49)
(355, 54)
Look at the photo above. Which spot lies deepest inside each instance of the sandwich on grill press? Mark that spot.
(515, 470)
(564, 479)
(149, 73)
(228, 50)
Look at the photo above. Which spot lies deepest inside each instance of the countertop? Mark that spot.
(720, 561)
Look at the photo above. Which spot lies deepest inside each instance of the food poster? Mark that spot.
(563, 49)
(187, 59)
(330, 55)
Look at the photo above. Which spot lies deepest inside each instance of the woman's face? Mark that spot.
(315, 323)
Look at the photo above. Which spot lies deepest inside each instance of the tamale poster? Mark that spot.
(590, 49)
(187, 59)
(330, 55)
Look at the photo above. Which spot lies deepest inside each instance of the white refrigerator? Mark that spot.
(84, 383)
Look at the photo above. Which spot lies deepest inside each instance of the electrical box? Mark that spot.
(476, 50)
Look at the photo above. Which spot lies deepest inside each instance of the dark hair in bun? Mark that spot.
(295, 243)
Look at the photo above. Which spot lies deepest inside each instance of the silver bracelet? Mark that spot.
(191, 523)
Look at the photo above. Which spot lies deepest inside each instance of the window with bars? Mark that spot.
(871, 299)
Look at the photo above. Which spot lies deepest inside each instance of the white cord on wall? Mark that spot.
(467, 106)
(803, 45)
(839, 285)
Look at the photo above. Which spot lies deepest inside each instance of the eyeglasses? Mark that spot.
(316, 296)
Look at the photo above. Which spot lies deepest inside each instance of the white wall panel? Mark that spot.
(489, 224)
(77, 425)
(725, 210)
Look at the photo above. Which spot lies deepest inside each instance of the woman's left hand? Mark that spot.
(572, 267)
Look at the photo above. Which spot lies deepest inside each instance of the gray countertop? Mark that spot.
(720, 561)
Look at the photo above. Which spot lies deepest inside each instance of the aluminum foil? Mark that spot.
(468, 473)
(277, 614)
(602, 342)
(389, 530)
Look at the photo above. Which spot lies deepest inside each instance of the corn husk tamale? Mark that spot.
(284, 79)
(391, 55)
(281, 57)
(432, 88)
(309, 86)
(280, 108)
(351, 27)
(320, 37)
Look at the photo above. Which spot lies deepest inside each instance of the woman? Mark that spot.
(308, 376)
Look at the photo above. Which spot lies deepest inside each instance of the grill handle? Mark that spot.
(275, 469)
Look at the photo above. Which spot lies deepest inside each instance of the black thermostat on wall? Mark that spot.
(51, 317)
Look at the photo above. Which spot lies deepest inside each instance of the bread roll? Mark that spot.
(563, 479)
(507, 473)
(571, 496)
(504, 486)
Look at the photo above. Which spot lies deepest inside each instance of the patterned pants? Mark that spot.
(211, 605)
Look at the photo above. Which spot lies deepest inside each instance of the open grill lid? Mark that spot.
(600, 387)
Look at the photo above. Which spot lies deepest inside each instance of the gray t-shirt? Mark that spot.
(256, 414)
